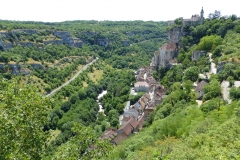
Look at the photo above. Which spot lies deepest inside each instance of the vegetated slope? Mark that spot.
(47, 59)
(179, 128)
(43, 49)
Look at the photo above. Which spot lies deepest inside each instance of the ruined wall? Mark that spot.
(197, 54)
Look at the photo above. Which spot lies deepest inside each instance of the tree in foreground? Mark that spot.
(84, 145)
(22, 116)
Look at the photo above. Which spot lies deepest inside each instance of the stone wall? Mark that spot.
(197, 54)
(166, 53)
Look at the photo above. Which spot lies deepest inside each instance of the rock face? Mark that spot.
(64, 36)
(58, 42)
(220, 66)
(103, 42)
(77, 43)
(1, 66)
(28, 31)
(175, 35)
(15, 68)
(126, 43)
(36, 66)
(26, 44)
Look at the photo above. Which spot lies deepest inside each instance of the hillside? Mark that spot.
(146, 96)
(46, 55)
(199, 118)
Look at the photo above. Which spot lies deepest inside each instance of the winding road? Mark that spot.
(70, 80)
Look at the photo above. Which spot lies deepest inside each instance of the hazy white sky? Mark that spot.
(156, 10)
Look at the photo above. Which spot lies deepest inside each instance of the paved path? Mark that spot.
(70, 80)
(213, 68)
(225, 91)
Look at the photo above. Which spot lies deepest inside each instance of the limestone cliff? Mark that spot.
(174, 35)
(64, 38)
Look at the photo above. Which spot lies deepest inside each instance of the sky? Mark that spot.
(117, 10)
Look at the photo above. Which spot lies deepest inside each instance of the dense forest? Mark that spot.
(68, 124)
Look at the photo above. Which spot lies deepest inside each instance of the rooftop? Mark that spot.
(141, 84)
(169, 46)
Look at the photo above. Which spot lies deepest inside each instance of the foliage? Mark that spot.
(22, 115)
(215, 15)
(84, 145)
(191, 74)
(209, 43)
(211, 90)
(235, 93)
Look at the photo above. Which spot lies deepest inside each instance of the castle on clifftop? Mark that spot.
(167, 54)
(194, 20)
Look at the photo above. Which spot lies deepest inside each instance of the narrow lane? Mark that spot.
(70, 80)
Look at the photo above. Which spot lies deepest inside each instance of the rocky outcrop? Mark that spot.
(36, 66)
(7, 46)
(77, 43)
(126, 43)
(15, 68)
(174, 35)
(220, 66)
(64, 35)
(61, 34)
(103, 42)
(2, 66)
(26, 44)
(58, 42)
(28, 31)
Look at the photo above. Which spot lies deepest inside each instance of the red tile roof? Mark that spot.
(169, 46)
(200, 85)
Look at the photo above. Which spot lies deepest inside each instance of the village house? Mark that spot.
(167, 53)
(134, 117)
(126, 130)
(199, 89)
(110, 133)
(132, 112)
(141, 87)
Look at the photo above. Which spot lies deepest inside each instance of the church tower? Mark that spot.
(202, 18)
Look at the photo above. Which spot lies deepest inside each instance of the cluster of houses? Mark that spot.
(134, 115)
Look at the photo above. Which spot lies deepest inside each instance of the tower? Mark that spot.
(201, 18)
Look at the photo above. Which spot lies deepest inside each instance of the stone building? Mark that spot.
(141, 87)
(194, 20)
(199, 89)
(197, 54)
(167, 53)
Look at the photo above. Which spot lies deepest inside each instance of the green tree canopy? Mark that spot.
(209, 43)
(191, 74)
(22, 116)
